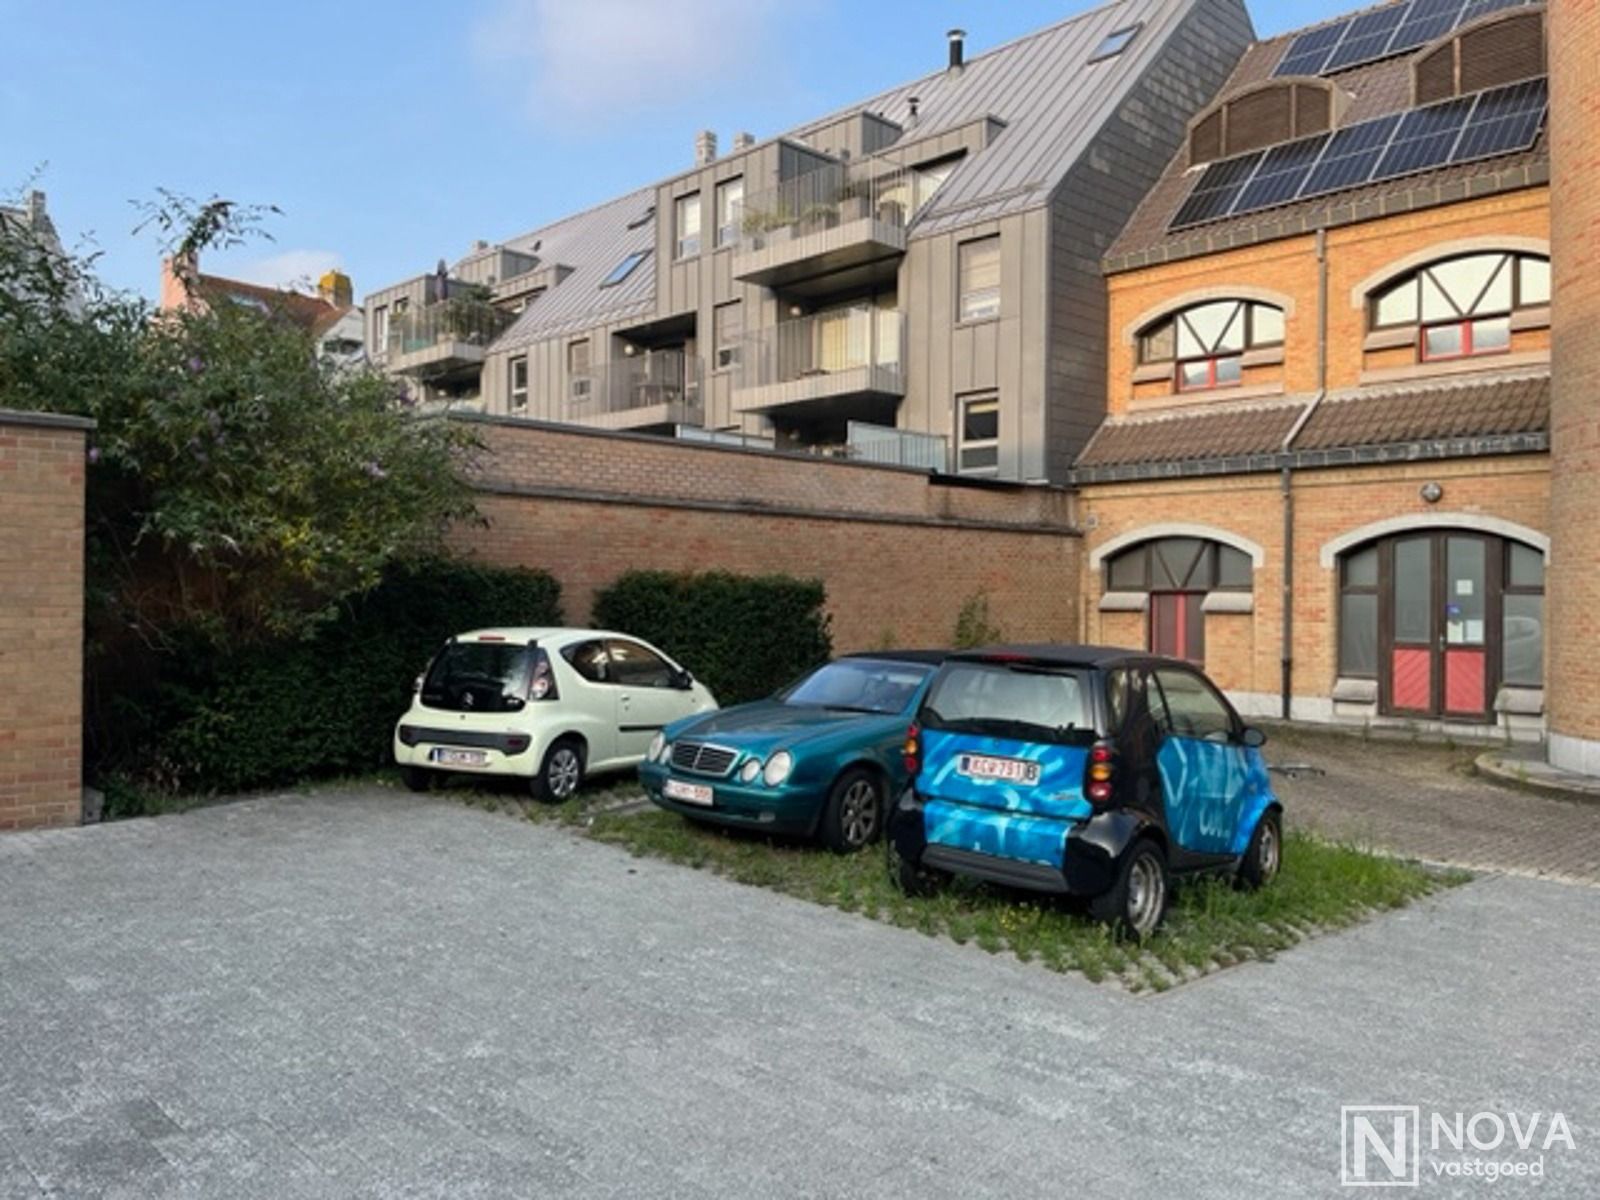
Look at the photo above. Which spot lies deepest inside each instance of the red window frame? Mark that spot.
(1464, 324)
(1211, 382)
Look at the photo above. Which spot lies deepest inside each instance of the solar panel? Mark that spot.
(1281, 174)
(1308, 52)
(1459, 130)
(1426, 138)
(1382, 33)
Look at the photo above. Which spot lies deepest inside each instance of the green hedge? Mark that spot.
(327, 706)
(742, 636)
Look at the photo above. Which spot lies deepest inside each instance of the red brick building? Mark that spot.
(1325, 471)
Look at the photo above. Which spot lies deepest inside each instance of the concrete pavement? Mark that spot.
(368, 994)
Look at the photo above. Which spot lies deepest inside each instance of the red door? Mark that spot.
(1178, 625)
(1439, 626)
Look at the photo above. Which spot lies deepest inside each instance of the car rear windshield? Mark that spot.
(488, 677)
(860, 685)
(1022, 701)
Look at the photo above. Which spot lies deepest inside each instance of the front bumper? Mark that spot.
(509, 753)
(742, 805)
(1089, 853)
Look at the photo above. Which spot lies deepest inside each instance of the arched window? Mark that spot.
(1178, 573)
(1442, 619)
(1507, 49)
(1463, 306)
(1273, 112)
(1206, 343)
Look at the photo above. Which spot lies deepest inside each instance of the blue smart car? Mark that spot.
(1085, 771)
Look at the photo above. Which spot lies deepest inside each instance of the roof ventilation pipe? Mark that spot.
(705, 148)
(958, 48)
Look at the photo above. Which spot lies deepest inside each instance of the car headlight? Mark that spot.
(666, 752)
(778, 768)
(657, 745)
(748, 772)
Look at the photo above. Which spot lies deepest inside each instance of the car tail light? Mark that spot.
(516, 743)
(1097, 778)
(408, 735)
(912, 751)
(542, 684)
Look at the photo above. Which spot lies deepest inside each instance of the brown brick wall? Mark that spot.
(1574, 582)
(899, 554)
(41, 621)
(1243, 652)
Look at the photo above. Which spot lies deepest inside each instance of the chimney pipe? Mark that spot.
(705, 148)
(743, 140)
(913, 102)
(958, 48)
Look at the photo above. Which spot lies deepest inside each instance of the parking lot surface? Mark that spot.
(360, 992)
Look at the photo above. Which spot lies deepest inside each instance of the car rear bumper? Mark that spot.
(1088, 853)
(746, 806)
(504, 753)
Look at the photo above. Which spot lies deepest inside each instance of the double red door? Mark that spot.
(1438, 634)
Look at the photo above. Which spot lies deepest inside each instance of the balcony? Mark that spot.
(444, 340)
(844, 221)
(842, 363)
(655, 389)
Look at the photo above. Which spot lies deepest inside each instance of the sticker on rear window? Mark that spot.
(1006, 770)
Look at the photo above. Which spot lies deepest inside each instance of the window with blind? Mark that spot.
(979, 274)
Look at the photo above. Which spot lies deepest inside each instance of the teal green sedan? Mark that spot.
(821, 759)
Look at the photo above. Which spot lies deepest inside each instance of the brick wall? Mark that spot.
(1574, 582)
(1244, 651)
(898, 552)
(41, 620)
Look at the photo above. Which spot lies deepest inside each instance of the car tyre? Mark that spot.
(416, 779)
(1137, 901)
(911, 878)
(561, 773)
(1264, 856)
(853, 817)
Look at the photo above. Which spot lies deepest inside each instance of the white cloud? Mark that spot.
(599, 59)
(290, 268)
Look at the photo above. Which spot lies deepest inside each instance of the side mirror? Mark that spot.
(1252, 737)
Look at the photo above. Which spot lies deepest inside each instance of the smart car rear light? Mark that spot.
(542, 683)
(1097, 777)
(912, 751)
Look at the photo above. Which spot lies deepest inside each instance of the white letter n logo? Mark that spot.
(1378, 1145)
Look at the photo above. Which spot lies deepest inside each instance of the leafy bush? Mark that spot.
(326, 705)
(742, 636)
(973, 627)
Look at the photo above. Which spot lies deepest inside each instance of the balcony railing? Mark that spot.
(829, 197)
(450, 322)
(658, 377)
(835, 342)
(897, 447)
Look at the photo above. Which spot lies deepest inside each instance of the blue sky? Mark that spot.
(394, 134)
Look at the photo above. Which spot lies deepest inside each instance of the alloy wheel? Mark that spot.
(1269, 853)
(858, 813)
(563, 772)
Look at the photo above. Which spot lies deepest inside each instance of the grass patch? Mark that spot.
(1211, 925)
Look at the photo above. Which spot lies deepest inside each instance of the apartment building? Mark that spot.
(913, 279)
(1325, 468)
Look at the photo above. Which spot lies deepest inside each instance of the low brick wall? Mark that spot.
(899, 551)
(41, 619)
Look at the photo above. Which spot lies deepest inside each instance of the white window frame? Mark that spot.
(685, 243)
(512, 390)
(727, 230)
(580, 385)
(725, 353)
(963, 405)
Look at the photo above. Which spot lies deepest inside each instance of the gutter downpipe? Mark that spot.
(1286, 485)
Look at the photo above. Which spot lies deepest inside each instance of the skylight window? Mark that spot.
(624, 268)
(1115, 43)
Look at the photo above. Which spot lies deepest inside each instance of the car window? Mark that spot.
(589, 660)
(636, 666)
(1119, 696)
(479, 677)
(1193, 708)
(1016, 700)
(859, 685)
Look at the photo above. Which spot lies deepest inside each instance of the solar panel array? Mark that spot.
(1500, 121)
(1382, 33)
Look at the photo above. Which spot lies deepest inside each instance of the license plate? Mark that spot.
(687, 793)
(460, 758)
(1006, 770)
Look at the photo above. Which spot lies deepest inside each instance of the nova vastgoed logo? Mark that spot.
(1382, 1145)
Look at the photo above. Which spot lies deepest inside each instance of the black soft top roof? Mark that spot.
(930, 658)
(1053, 654)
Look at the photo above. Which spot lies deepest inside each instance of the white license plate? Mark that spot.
(1007, 770)
(687, 793)
(461, 758)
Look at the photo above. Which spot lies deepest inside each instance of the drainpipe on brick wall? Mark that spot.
(1286, 657)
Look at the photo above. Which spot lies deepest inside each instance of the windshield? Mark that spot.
(1014, 700)
(489, 677)
(860, 685)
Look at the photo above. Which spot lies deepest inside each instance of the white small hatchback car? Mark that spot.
(550, 705)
